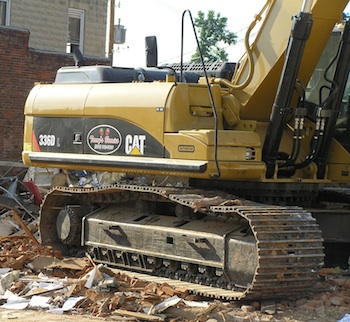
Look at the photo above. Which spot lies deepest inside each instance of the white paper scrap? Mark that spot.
(162, 306)
(71, 302)
(68, 305)
(14, 302)
(15, 306)
(91, 278)
(40, 301)
(201, 304)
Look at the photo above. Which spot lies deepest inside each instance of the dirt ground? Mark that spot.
(296, 314)
(329, 304)
(35, 316)
(129, 299)
(113, 295)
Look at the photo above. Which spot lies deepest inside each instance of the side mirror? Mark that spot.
(151, 51)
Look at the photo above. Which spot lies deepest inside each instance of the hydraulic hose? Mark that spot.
(248, 55)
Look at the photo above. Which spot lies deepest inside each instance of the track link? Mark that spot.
(288, 241)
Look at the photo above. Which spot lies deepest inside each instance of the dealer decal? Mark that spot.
(104, 139)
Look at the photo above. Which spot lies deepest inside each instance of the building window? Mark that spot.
(4, 12)
(75, 30)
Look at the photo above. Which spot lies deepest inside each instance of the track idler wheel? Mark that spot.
(68, 225)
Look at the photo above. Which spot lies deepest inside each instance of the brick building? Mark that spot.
(24, 61)
(60, 25)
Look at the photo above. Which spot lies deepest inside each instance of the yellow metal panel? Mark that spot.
(338, 172)
(268, 52)
(338, 163)
(27, 139)
(226, 137)
(189, 97)
(241, 170)
(141, 104)
(109, 97)
(199, 145)
(28, 107)
(61, 99)
(58, 99)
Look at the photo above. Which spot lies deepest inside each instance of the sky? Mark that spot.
(162, 18)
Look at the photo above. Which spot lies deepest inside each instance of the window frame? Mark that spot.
(7, 13)
(79, 14)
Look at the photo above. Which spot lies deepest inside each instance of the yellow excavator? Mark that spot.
(246, 153)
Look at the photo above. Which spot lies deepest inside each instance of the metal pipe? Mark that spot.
(111, 30)
(340, 78)
(216, 122)
(300, 32)
(248, 55)
(306, 7)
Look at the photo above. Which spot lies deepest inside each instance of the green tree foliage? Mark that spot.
(213, 35)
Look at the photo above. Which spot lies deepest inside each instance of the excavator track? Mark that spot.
(282, 246)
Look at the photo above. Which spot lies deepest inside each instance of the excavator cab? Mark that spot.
(325, 70)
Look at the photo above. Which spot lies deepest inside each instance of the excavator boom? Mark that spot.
(268, 49)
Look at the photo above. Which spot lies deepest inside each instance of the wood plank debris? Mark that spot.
(139, 315)
(34, 276)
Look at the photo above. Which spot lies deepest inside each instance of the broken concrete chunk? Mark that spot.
(48, 262)
(7, 279)
(269, 307)
(41, 262)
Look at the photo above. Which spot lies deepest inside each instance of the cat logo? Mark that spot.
(135, 144)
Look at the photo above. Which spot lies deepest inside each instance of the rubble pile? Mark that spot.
(10, 226)
(16, 251)
(37, 277)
